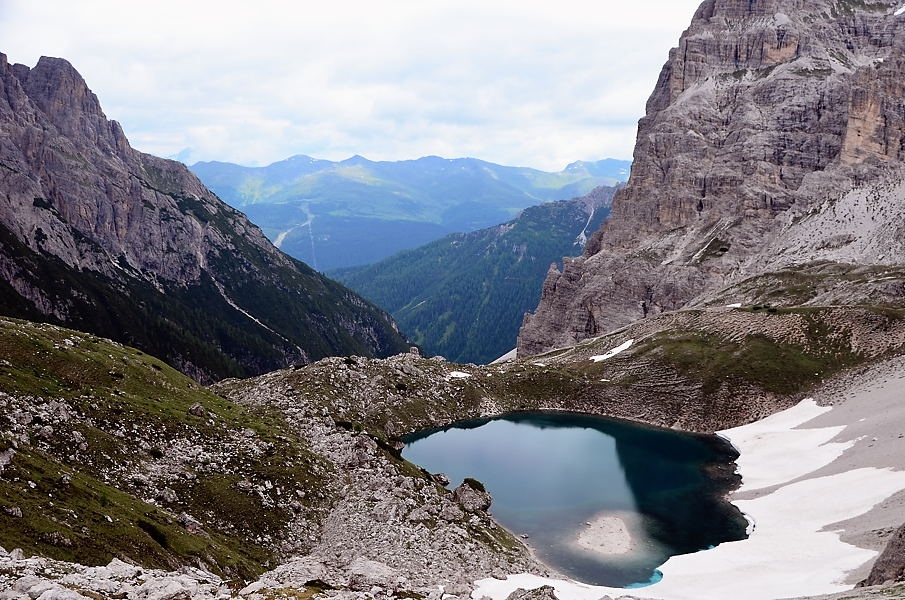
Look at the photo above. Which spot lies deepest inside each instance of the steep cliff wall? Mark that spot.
(766, 113)
(106, 239)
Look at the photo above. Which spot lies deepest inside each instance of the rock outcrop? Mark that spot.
(106, 239)
(775, 125)
(890, 565)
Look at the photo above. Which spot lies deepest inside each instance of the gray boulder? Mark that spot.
(890, 565)
(545, 592)
(472, 496)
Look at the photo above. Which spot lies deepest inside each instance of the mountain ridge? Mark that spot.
(356, 211)
(99, 236)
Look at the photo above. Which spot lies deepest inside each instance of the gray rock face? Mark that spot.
(56, 126)
(28, 578)
(98, 236)
(890, 565)
(765, 114)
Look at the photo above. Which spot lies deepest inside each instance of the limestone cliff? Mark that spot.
(103, 238)
(773, 138)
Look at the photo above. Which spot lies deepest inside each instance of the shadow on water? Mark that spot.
(601, 500)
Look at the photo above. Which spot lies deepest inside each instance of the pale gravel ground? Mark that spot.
(606, 534)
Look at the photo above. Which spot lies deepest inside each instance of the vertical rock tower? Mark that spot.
(766, 110)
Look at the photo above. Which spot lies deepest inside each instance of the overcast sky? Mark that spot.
(515, 82)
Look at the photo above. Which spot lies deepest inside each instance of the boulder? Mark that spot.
(890, 565)
(545, 592)
(365, 574)
(192, 525)
(122, 570)
(6, 457)
(165, 589)
(451, 512)
(472, 496)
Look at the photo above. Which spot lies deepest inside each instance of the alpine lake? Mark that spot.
(600, 500)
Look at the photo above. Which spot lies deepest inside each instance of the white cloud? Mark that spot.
(516, 82)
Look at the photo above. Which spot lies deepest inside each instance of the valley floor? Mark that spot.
(824, 487)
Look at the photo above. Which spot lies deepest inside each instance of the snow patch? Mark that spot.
(765, 446)
(900, 11)
(457, 375)
(278, 241)
(511, 355)
(788, 552)
(614, 351)
(736, 305)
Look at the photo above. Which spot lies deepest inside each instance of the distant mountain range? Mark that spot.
(463, 296)
(97, 236)
(355, 212)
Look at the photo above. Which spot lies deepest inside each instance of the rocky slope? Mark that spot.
(107, 453)
(101, 237)
(773, 138)
(146, 484)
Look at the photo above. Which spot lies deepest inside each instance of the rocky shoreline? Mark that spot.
(394, 530)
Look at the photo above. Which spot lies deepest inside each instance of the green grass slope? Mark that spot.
(112, 453)
(463, 297)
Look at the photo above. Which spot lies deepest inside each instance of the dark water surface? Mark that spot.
(551, 474)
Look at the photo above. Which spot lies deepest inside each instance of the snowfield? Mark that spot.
(794, 498)
(621, 348)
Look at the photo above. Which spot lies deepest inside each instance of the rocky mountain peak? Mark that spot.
(60, 92)
(765, 109)
(101, 237)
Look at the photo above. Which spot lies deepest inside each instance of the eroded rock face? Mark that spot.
(126, 203)
(890, 565)
(765, 111)
(106, 239)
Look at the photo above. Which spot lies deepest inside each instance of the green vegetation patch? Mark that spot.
(848, 7)
(801, 285)
(113, 446)
(817, 73)
(464, 296)
(68, 515)
(775, 366)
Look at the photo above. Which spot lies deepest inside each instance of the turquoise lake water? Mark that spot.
(602, 501)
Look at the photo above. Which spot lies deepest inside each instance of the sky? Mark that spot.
(515, 82)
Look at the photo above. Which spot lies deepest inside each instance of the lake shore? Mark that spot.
(821, 488)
